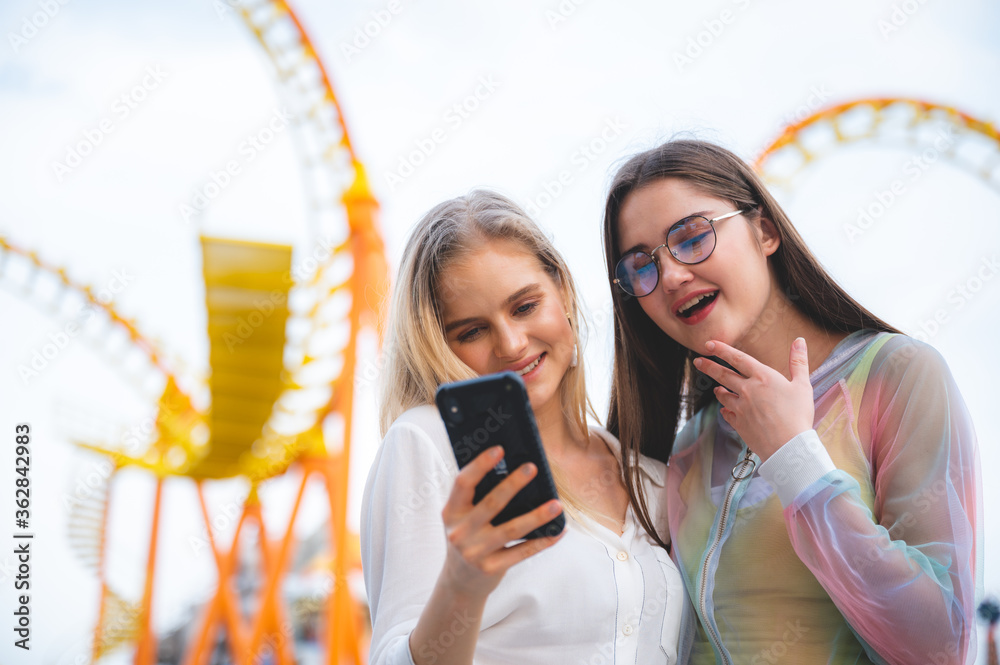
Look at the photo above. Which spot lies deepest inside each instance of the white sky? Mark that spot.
(608, 67)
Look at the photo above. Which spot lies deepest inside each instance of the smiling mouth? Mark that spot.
(527, 368)
(696, 304)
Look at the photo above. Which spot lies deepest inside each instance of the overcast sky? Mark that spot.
(550, 96)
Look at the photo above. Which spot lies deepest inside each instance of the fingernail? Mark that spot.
(800, 343)
(528, 469)
(496, 452)
(710, 346)
(555, 508)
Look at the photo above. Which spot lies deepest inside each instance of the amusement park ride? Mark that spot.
(282, 391)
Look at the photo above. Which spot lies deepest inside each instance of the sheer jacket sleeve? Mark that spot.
(904, 575)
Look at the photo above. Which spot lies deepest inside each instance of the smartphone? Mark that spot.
(494, 410)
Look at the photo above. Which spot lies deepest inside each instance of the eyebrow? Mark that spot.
(511, 299)
(642, 246)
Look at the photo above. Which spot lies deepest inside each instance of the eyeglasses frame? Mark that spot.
(652, 253)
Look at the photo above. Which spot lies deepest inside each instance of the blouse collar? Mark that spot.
(655, 471)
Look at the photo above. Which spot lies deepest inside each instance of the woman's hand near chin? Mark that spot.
(766, 409)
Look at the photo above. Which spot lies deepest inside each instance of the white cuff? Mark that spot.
(797, 465)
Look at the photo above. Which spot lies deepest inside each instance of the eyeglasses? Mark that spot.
(690, 241)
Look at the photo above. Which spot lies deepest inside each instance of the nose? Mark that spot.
(673, 273)
(511, 342)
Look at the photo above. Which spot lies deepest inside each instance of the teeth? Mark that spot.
(691, 303)
(530, 367)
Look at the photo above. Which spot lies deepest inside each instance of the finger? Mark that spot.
(741, 362)
(728, 415)
(520, 526)
(507, 557)
(798, 361)
(725, 397)
(723, 375)
(500, 496)
(479, 542)
(464, 490)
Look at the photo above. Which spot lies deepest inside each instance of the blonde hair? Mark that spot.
(417, 358)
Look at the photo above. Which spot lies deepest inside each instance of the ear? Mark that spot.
(770, 239)
(563, 292)
(567, 308)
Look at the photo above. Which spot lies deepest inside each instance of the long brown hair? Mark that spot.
(654, 384)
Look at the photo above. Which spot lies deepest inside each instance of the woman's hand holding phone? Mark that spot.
(494, 408)
(477, 554)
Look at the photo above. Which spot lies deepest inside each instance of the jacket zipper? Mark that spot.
(702, 596)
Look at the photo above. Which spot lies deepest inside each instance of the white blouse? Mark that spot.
(594, 597)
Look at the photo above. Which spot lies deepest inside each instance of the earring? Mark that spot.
(575, 359)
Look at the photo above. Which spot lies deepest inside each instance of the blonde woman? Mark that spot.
(481, 290)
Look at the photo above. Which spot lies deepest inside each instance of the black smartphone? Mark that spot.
(494, 410)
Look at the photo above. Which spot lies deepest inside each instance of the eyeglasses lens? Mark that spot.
(691, 240)
(637, 273)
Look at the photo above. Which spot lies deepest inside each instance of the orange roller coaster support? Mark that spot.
(146, 653)
(224, 607)
(308, 426)
(267, 622)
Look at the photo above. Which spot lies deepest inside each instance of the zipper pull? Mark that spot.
(741, 466)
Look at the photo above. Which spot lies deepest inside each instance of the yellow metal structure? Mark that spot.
(246, 295)
(271, 395)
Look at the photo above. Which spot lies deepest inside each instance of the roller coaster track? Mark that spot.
(338, 287)
(934, 130)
